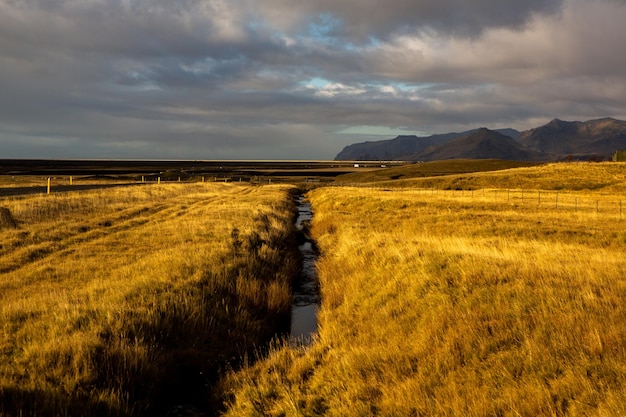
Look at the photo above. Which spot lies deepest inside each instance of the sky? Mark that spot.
(295, 79)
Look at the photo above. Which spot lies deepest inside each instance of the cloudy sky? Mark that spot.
(296, 79)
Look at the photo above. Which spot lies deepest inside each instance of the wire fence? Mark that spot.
(589, 202)
(606, 204)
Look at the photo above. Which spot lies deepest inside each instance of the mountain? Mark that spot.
(556, 140)
(391, 149)
(599, 137)
(403, 147)
(482, 144)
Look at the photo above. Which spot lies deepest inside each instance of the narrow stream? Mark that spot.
(306, 289)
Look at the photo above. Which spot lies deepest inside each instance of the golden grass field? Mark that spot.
(494, 293)
(430, 169)
(120, 301)
(453, 304)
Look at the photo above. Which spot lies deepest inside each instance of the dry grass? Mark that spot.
(430, 169)
(434, 305)
(578, 176)
(9, 181)
(120, 301)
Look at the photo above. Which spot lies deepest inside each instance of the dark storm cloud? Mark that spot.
(362, 19)
(282, 78)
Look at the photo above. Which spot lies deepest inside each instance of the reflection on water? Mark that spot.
(303, 322)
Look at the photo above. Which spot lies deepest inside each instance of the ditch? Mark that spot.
(306, 297)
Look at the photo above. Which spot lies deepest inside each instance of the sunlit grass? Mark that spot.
(459, 305)
(430, 169)
(572, 176)
(116, 302)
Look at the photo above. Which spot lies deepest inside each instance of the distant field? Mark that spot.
(129, 170)
(430, 169)
(31, 176)
(454, 304)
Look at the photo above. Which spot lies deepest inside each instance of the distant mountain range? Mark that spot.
(558, 140)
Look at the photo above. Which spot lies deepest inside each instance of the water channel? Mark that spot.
(306, 297)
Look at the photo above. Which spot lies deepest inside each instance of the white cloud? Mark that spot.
(335, 89)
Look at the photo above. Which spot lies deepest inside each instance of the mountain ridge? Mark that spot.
(556, 140)
(482, 144)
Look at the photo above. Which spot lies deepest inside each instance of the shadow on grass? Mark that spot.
(26, 403)
(175, 353)
(167, 349)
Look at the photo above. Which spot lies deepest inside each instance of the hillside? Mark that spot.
(431, 169)
(473, 174)
(557, 140)
(603, 177)
(595, 137)
(483, 143)
(403, 147)
(399, 148)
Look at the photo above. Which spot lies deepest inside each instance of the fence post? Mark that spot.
(556, 201)
(48, 188)
(71, 180)
(159, 180)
